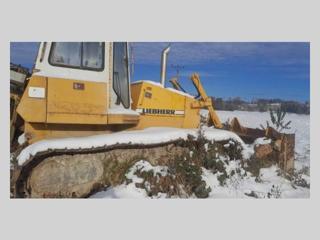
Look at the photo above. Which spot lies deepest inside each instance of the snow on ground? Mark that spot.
(146, 137)
(270, 184)
(300, 125)
(241, 185)
(130, 190)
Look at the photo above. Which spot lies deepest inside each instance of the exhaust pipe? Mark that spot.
(164, 65)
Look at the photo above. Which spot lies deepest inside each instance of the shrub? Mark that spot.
(277, 119)
(296, 177)
(222, 178)
(275, 192)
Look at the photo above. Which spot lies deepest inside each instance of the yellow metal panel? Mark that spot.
(149, 96)
(37, 131)
(66, 118)
(123, 119)
(159, 98)
(76, 97)
(156, 121)
(33, 109)
(135, 90)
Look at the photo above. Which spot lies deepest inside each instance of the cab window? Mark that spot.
(81, 55)
(92, 56)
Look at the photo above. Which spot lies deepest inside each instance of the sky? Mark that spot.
(249, 70)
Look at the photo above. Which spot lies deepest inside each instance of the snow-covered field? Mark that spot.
(241, 184)
(300, 125)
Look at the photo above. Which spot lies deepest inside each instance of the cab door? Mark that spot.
(120, 76)
(77, 79)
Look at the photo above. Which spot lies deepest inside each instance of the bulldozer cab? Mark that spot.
(88, 62)
(78, 88)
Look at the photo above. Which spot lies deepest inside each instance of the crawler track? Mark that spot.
(81, 172)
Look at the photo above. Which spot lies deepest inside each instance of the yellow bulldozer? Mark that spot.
(80, 92)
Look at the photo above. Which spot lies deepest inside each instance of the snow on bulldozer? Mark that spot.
(85, 123)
